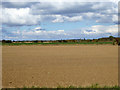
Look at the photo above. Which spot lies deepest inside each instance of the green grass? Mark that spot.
(92, 86)
(57, 43)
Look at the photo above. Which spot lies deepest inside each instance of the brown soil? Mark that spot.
(52, 66)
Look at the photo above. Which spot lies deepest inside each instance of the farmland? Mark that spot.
(59, 65)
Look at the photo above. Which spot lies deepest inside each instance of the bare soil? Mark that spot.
(53, 66)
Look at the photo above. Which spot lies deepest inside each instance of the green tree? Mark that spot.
(111, 38)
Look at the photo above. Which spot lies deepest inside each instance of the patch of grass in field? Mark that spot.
(57, 43)
(92, 86)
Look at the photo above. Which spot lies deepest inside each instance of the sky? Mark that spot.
(58, 20)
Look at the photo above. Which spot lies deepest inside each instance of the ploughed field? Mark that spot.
(59, 65)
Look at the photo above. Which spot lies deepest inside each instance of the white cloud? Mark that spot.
(60, 18)
(101, 29)
(43, 34)
(75, 18)
(20, 16)
(115, 18)
(38, 28)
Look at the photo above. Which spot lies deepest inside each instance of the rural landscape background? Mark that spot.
(59, 44)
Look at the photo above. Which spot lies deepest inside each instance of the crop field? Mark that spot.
(59, 65)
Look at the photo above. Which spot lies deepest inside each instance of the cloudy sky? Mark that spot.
(58, 20)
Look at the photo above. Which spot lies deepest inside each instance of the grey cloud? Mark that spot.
(37, 12)
(69, 8)
(106, 9)
(17, 4)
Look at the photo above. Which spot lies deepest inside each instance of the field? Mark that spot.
(59, 65)
(56, 43)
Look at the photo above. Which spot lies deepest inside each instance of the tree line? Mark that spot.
(115, 40)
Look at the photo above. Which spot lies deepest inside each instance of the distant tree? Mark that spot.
(3, 41)
(111, 38)
(64, 40)
(41, 41)
(59, 40)
(6, 41)
(36, 41)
